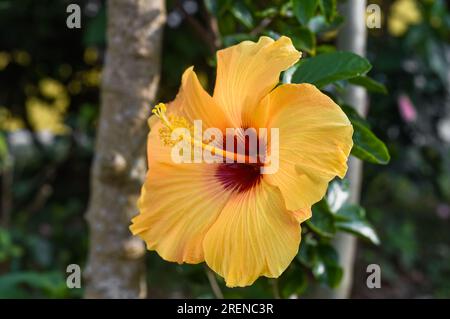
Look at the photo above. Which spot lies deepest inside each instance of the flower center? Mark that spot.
(239, 176)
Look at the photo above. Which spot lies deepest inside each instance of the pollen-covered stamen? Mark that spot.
(172, 122)
(160, 111)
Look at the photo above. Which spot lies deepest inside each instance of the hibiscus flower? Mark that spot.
(242, 223)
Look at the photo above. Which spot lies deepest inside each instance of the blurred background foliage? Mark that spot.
(49, 103)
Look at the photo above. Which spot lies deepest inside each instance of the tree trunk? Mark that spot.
(115, 267)
(352, 37)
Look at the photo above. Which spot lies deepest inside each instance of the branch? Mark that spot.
(214, 284)
(205, 35)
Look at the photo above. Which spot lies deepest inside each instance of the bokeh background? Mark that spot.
(49, 106)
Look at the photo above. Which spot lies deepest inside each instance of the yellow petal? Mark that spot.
(194, 103)
(254, 236)
(302, 214)
(248, 71)
(156, 150)
(178, 205)
(315, 139)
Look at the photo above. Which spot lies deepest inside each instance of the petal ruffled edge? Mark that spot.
(248, 71)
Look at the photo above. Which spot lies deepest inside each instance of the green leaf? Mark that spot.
(337, 195)
(352, 219)
(353, 116)
(227, 23)
(328, 9)
(293, 281)
(304, 40)
(95, 30)
(242, 14)
(368, 147)
(350, 212)
(320, 25)
(267, 13)
(304, 10)
(370, 84)
(325, 48)
(12, 284)
(212, 6)
(322, 220)
(3, 151)
(330, 67)
(307, 253)
(235, 38)
(217, 7)
(326, 267)
(322, 259)
(361, 228)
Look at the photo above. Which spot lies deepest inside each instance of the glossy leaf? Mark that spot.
(370, 84)
(350, 212)
(304, 10)
(320, 25)
(307, 252)
(322, 221)
(361, 228)
(353, 116)
(242, 14)
(328, 257)
(328, 9)
(330, 67)
(337, 194)
(293, 281)
(368, 147)
(351, 218)
(322, 260)
(304, 40)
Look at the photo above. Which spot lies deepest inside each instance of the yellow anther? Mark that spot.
(159, 109)
(170, 123)
(160, 112)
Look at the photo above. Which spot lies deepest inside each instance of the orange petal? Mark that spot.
(254, 236)
(302, 214)
(315, 139)
(248, 71)
(178, 205)
(194, 103)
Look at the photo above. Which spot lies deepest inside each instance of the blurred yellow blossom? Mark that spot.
(74, 87)
(49, 116)
(9, 122)
(92, 77)
(404, 13)
(65, 70)
(90, 55)
(5, 58)
(21, 57)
